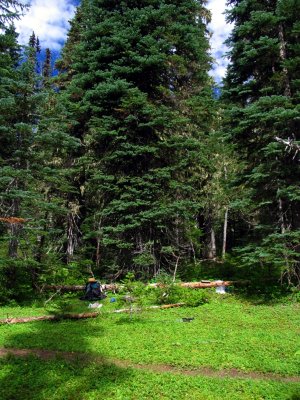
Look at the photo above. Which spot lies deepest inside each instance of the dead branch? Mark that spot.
(51, 297)
(290, 144)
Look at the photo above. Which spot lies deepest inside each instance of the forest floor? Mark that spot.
(232, 349)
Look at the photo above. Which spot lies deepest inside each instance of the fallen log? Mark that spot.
(203, 285)
(79, 288)
(128, 310)
(115, 287)
(80, 316)
(48, 318)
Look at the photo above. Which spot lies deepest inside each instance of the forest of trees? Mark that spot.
(122, 158)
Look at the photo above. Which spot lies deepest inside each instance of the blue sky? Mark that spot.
(49, 20)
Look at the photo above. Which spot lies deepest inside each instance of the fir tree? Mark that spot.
(18, 119)
(139, 74)
(263, 85)
(47, 68)
(34, 50)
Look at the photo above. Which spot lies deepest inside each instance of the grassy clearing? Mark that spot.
(32, 379)
(225, 333)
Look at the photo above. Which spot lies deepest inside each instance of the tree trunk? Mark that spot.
(212, 248)
(176, 266)
(225, 233)
(205, 223)
(281, 216)
(282, 53)
(15, 229)
(71, 239)
(98, 243)
(72, 231)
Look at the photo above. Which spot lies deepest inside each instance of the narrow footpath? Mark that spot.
(157, 368)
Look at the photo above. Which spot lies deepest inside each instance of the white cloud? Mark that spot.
(49, 20)
(220, 31)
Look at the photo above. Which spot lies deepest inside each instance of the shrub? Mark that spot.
(175, 294)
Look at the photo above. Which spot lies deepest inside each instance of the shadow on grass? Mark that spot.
(59, 377)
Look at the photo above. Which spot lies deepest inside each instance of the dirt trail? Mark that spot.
(158, 368)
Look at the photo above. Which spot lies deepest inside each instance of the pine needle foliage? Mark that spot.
(262, 85)
(138, 88)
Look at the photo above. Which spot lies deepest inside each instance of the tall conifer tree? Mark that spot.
(19, 104)
(138, 94)
(263, 85)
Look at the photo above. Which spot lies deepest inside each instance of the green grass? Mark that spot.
(226, 333)
(32, 379)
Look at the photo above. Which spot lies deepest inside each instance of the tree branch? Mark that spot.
(290, 144)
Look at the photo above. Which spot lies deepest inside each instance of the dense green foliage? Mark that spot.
(262, 89)
(125, 161)
(133, 93)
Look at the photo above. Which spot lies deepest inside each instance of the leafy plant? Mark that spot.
(173, 293)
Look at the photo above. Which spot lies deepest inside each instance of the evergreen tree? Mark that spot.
(25, 169)
(47, 69)
(34, 49)
(139, 95)
(10, 10)
(18, 119)
(263, 85)
(68, 54)
(33, 182)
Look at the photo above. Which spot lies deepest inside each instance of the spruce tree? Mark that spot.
(138, 95)
(18, 119)
(46, 72)
(262, 85)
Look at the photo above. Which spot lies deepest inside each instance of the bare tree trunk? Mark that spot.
(281, 216)
(15, 229)
(98, 257)
(282, 53)
(177, 243)
(72, 235)
(98, 241)
(70, 238)
(176, 266)
(225, 233)
(212, 249)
